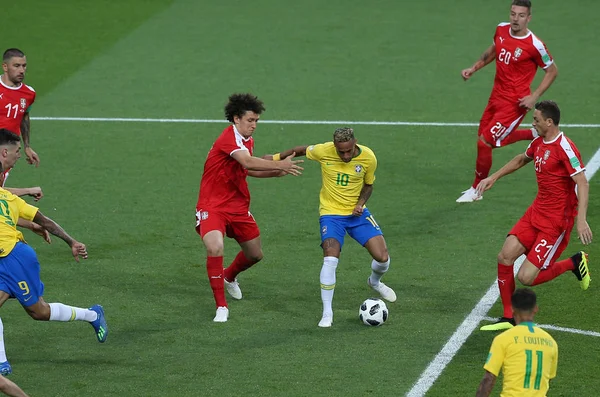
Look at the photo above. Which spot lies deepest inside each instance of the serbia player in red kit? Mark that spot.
(223, 207)
(518, 54)
(16, 99)
(544, 230)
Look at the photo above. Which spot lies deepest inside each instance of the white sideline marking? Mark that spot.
(311, 122)
(557, 328)
(479, 312)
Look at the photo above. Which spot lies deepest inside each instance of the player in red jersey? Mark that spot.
(224, 200)
(16, 99)
(544, 230)
(518, 54)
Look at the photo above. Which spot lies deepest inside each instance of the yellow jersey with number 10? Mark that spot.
(528, 357)
(342, 182)
(11, 209)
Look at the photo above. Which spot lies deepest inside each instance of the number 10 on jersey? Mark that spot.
(342, 179)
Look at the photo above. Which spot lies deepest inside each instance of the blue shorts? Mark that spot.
(360, 228)
(20, 275)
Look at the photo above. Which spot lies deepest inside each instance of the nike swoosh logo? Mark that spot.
(27, 298)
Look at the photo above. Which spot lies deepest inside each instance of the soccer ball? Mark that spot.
(373, 312)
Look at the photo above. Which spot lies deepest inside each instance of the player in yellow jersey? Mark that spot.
(527, 354)
(348, 174)
(19, 266)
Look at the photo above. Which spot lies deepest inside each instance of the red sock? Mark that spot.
(239, 264)
(214, 268)
(483, 163)
(518, 135)
(553, 271)
(506, 285)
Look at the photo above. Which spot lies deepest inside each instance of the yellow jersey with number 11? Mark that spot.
(342, 182)
(11, 209)
(528, 357)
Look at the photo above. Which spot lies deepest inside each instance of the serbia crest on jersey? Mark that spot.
(517, 60)
(14, 103)
(223, 185)
(555, 164)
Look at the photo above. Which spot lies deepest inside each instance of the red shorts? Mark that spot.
(241, 227)
(499, 119)
(544, 239)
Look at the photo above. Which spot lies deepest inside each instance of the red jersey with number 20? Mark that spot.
(517, 60)
(223, 186)
(555, 164)
(14, 102)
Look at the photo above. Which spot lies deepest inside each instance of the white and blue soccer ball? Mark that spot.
(373, 312)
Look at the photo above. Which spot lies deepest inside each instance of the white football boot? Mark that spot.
(233, 288)
(469, 196)
(222, 314)
(326, 320)
(386, 292)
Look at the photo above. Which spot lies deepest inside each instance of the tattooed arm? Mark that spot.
(54, 228)
(488, 56)
(32, 156)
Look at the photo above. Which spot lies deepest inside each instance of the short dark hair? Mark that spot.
(524, 299)
(549, 110)
(7, 137)
(239, 104)
(522, 3)
(11, 53)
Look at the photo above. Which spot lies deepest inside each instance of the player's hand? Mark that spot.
(290, 166)
(467, 73)
(584, 232)
(36, 193)
(40, 231)
(528, 102)
(485, 184)
(358, 210)
(78, 250)
(32, 156)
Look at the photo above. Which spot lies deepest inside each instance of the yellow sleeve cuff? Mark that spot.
(277, 157)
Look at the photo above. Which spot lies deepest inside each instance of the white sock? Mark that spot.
(2, 351)
(328, 282)
(377, 270)
(60, 312)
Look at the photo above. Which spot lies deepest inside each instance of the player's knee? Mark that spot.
(382, 256)
(506, 258)
(526, 279)
(214, 249)
(481, 142)
(41, 313)
(255, 257)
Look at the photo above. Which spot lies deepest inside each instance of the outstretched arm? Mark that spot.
(519, 161)
(77, 248)
(488, 56)
(252, 163)
(35, 192)
(266, 174)
(32, 157)
(298, 150)
(486, 385)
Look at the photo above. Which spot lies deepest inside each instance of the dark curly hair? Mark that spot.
(239, 104)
